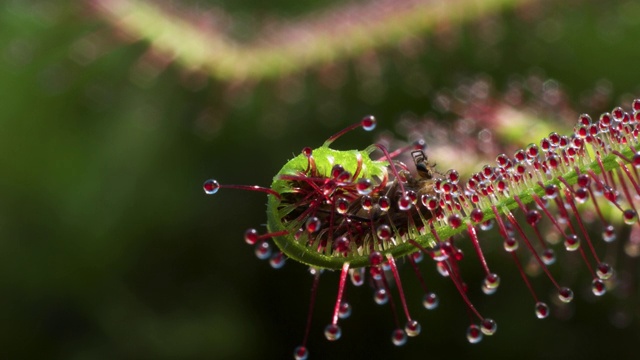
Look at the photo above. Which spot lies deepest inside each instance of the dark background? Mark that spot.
(109, 248)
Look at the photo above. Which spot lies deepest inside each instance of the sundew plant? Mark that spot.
(417, 178)
(363, 214)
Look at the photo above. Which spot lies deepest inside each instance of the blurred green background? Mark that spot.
(109, 248)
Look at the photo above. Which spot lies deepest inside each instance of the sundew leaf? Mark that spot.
(594, 149)
(339, 32)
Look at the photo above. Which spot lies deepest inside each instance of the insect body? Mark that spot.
(337, 206)
(424, 169)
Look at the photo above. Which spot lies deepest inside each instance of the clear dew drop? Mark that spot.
(367, 203)
(368, 123)
(582, 195)
(488, 327)
(344, 178)
(487, 172)
(510, 244)
(345, 310)
(572, 242)
(474, 335)
(630, 216)
(455, 221)
(604, 271)
(533, 217)
(502, 160)
(341, 245)
(581, 131)
(342, 206)
(551, 191)
(439, 253)
(412, 196)
(486, 225)
(364, 186)
(430, 301)
(277, 260)
(418, 256)
(405, 203)
(446, 187)
(251, 236)
(442, 269)
(398, 337)
(565, 295)
(585, 119)
(357, 276)
(263, 250)
(598, 288)
(476, 216)
(384, 232)
(609, 234)
(492, 281)
(336, 171)
(412, 328)
(376, 273)
(307, 151)
(313, 224)
(548, 257)
(453, 176)
(429, 201)
(542, 310)
(380, 296)
(532, 151)
(211, 187)
(375, 258)
(384, 203)
(332, 332)
(636, 160)
(300, 353)
(487, 290)
(554, 138)
(609, 193)
(618, 113)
